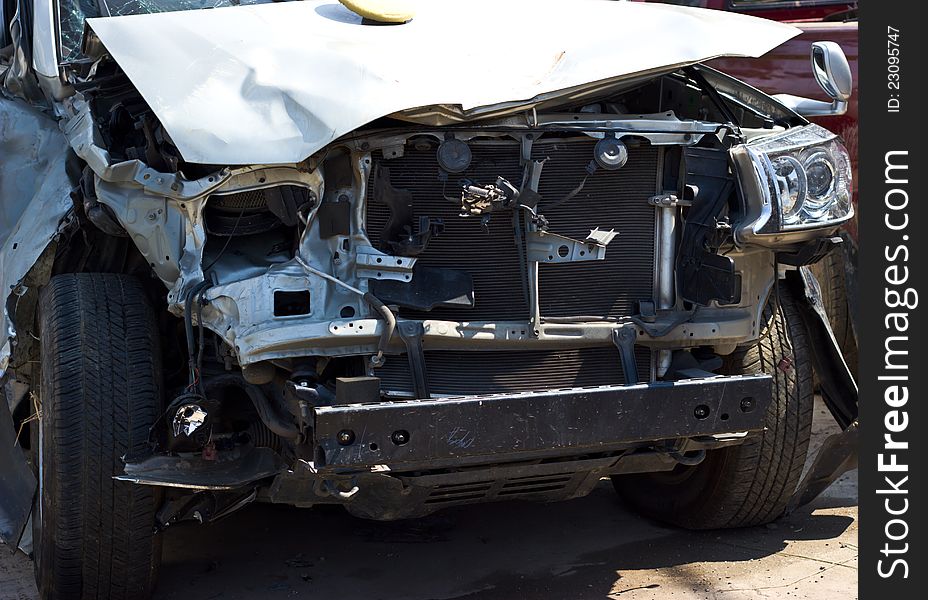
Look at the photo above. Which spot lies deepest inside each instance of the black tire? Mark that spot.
(831, 277)
(749, 484)
(100, 392)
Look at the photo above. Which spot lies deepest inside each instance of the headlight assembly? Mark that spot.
(797, 180)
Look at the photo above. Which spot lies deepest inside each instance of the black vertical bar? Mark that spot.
(893, 257)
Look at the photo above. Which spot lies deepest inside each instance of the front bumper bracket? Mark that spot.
(428, 434)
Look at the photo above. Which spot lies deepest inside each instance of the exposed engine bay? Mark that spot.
(588, 247)
(380, 323)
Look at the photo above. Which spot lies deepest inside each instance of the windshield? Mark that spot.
(72, 13)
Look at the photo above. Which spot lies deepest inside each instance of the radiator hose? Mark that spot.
(266, 412)
(374, 302)
(388, 329)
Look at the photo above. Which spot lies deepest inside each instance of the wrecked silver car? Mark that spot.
(279, 252)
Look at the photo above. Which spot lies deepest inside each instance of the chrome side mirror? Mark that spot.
(831, 70)
(833, 74)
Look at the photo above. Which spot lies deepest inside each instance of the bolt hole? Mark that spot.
(350, 324)
(374, 447)
(563, 251)
(379, 275)
(583, 253)
(724, 416)
(551, 257)
(379, 260)
(146, 177)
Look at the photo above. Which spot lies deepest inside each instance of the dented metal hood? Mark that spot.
(274, 83)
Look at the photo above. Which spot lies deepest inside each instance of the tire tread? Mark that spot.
(100, 394)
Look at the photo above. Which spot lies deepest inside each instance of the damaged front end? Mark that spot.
(424, 303)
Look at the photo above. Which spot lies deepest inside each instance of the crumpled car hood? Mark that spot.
(274, 83)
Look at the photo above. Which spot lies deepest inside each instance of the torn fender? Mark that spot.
(274, 83)
(17, 483)
(839, 452)
(34, 198)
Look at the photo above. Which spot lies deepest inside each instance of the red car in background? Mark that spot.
(785, 70)
(779, 10)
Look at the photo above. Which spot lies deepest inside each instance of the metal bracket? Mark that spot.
(412, 332)
(544, 247)
(669, 200)
(373, 264)
(624, 339)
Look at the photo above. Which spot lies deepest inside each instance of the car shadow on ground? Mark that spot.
(574, 549)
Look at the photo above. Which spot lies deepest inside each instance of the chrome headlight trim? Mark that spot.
(794, 181)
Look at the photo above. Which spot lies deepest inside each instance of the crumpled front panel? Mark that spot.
(274, 83)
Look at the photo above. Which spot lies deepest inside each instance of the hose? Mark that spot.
(266, 413)
(388, 329)
(188, 329)
(372, 300)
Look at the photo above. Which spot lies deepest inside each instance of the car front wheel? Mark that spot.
(749, 484)
(99, 393)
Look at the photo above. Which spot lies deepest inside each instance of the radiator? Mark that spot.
(609, 288)
(461, 373)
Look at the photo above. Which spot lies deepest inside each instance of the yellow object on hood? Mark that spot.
(382, 11)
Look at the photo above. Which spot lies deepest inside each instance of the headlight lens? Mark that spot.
(808, 177)
(820, 172)
(791, 185)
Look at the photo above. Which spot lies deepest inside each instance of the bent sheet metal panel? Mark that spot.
(17, 484)
(274, 83)
(34, 197)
